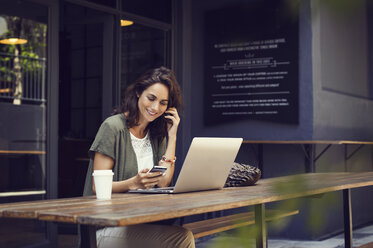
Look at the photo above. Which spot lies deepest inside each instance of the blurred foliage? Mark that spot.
(315, 218)
(243, 237)
(292, 186)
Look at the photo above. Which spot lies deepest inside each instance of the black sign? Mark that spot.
(251, 63)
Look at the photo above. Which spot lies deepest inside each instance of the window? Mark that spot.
(160, 10)
(23, 108)
(23, 103)
(143, 47)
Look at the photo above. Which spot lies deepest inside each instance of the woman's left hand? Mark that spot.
(173, 121)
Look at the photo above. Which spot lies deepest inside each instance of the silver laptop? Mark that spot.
(205, 167)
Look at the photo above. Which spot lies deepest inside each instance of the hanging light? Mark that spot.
(13, 41)
(5, 90)
(124, 23)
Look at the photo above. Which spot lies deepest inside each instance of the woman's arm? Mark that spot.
(170, 153)
(141, 180)
(172, 126)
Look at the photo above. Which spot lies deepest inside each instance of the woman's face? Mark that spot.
(152, 102)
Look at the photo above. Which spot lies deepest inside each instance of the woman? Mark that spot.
(142, 134)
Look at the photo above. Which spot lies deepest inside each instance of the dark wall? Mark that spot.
(324, 114)
(342, 65)
(25, 132)
(342, 89)
(27, 128)
(248, 129)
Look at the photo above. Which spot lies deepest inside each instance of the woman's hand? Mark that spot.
(142, 180)
(173, 121)
(145, 180)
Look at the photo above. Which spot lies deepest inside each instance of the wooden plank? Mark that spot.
(229, 198)
(221, 224)
(64, 207)
(32, 206)
(351, 142)
(117, 203)
(225, 223)
(20, 152)
(225, 199)
(129, 209)
(22, 193)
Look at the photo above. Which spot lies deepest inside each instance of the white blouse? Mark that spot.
(144, 151)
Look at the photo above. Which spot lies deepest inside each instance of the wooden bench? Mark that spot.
(220, 224)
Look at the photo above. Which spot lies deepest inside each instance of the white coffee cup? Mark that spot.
(103, 183)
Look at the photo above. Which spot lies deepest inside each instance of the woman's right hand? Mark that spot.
(145, 180)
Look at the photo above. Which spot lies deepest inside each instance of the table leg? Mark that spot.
(347, 217)
(310, 158)
(52, 234)
(260, 159)
(88, 236)
(346, 157)
(261, 228)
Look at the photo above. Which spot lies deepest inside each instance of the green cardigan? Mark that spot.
(113, 140)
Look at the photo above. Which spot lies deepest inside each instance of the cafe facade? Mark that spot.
(260, 70)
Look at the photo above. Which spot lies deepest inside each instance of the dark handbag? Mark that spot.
(242, 175)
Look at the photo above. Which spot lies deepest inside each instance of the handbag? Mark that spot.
(242, 175)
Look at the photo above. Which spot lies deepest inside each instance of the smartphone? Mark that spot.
(157, 168)
(167, 120)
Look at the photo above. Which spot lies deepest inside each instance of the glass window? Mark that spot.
(110, 3)
(143, 48)
(23, 103)
(23, 43)
(81, 72)
(160, 10)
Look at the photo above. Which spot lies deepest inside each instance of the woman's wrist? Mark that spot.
(128, 184)
(168, 160)
(171, 137)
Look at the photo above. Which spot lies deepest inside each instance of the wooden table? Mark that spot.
(130, 209)
(309, 148)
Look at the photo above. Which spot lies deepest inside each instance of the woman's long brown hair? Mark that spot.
(163, 75)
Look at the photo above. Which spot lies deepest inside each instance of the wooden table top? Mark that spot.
(310, 142)
(22, 152)
(127, 209)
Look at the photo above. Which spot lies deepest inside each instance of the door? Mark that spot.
(86, 82)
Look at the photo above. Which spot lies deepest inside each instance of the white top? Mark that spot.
(144, 151)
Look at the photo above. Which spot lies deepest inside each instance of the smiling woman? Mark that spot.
(152, 103)
(161, 81)
(141, 134)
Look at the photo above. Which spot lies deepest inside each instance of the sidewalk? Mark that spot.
(361, 237)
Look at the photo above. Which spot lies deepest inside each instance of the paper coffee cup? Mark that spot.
(103, 183)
